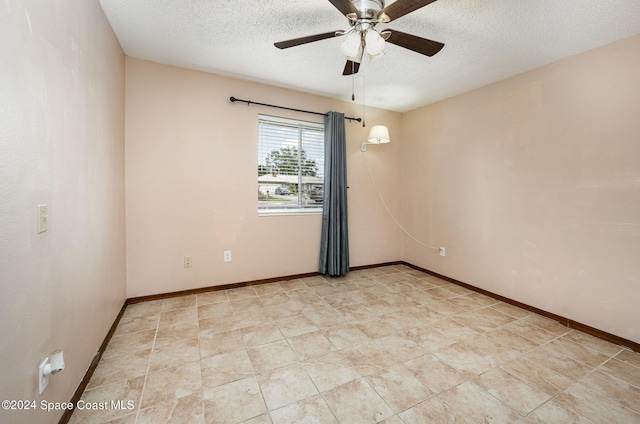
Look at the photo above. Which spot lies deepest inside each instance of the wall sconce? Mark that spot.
(379, 134)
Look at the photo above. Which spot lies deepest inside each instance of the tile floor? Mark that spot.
(388, 344)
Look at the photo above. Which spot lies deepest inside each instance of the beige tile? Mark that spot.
(269, 356)
(310, 345)
(240, 293)
(260, 419)
(547, 324)
(494, 316)
(151, 308)
(250, 304)
(482, 299)
(261, 334)
(174, 316)
(295, 326)
(214, 310)
(122, 390)
(508, 309)
(463, 359)
(179, 331)
(368, 358)
(275, 299)
(119, 368)
(345, 336)
(595, 407)
(213, 343)
(622, 370)
(553, 412)
(549, 374)
(225, 368)
(580, 353)
(630, 357)
(399, 388)
(133, 324)
(477, 406)
(174, 353)
(356, 402)
(233, 402)
(178, 302)
(130, 342)
(375, 328)
(187, 409)
(212, 297)
(531, 332)
(432, 410)
(435, 374)
(512, 391)
(170, 384)
(219, 324)
(514, 341)
(286, 385)
(330, 370)
(289, 309)
(326, 318)
(614, 388)
(593, 343)
(268, 288)
(429, 338)
(453, 329)
(493, 352)
(293, 285)
(307, 411)
(400, 347)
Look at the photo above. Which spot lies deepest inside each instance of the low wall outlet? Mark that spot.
(187, 262)
(227, 255)
(442, 251)
(43, 379)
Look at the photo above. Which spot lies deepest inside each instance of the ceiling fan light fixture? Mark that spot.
(352, 44)
(374, 42)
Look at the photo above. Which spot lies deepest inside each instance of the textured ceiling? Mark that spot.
(485, 41)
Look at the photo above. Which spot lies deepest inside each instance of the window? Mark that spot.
(290, 166)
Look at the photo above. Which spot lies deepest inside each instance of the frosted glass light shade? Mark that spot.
(351, 45)
(379, 134)
(374, 42)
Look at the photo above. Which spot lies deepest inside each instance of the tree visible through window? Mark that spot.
(290, 165)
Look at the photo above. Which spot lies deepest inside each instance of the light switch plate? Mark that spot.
(43, 218)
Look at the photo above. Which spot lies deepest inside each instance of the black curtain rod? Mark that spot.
(249, 102)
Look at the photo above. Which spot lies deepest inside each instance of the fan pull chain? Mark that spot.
(353, 83)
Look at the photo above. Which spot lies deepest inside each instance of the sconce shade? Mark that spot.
(379, 134)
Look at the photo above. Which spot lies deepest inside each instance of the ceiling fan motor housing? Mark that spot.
(368, 8)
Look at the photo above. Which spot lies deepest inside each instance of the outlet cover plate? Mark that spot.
(43, 380)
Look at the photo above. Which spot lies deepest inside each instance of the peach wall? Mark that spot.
(191, 158)
(533, 186)
(61, 144)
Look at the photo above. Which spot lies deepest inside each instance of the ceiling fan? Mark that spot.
(363, 16)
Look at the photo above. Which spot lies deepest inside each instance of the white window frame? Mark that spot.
(309, 134)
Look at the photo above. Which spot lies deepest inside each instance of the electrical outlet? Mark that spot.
(43, 379)
(187, 262)
(227, 255)
(442, 251)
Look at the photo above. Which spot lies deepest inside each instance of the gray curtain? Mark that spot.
(334, 244)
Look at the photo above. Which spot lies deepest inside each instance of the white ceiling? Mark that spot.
(485, 41)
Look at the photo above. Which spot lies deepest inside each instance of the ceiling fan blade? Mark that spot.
(344, 6)
(308, 39)
(414, 43)
(400, 8)
(351, 68)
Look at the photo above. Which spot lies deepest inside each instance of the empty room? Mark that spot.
(312, 211)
